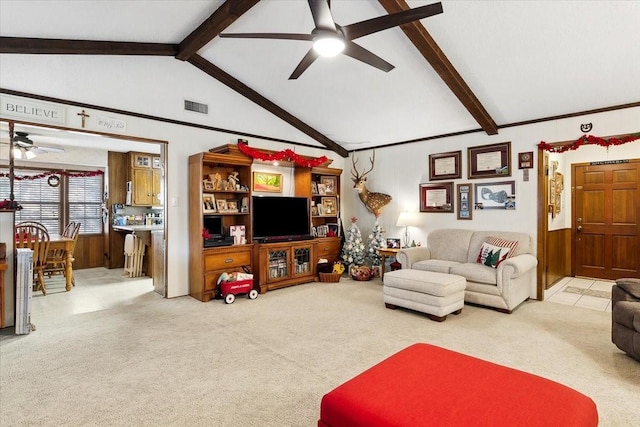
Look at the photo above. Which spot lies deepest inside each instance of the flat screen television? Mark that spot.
(281, 219)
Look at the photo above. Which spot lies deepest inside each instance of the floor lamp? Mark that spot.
(406, 220)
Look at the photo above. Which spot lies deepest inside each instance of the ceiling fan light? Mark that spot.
(328, 46)
(17, 153)
(28, 154)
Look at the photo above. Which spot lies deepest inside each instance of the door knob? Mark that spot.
(579, 228)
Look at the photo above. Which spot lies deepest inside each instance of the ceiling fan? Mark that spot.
(24, 147)
(333, 39)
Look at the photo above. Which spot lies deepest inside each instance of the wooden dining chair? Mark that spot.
(57, 259)
(36, 238)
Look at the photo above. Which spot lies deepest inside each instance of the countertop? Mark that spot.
(131, 228)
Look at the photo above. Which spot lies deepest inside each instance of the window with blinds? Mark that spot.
(74, 199)
(85, 203)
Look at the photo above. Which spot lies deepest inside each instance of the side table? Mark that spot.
(384, 253)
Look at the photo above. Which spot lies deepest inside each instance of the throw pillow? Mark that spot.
(503, 243)
(492, 255)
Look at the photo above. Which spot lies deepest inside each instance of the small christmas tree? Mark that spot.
(353, 248)
(376, 241)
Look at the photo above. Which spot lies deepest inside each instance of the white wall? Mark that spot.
(398, 171)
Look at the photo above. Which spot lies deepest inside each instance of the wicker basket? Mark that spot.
(329, 277)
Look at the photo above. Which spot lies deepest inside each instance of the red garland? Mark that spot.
(51, 173)
(588, 140)
(285, 155)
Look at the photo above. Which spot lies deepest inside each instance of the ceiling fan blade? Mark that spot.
(41, 150)
(322, 17)
(370, 26)
(279, 36)
(308, 59)
(361, 54)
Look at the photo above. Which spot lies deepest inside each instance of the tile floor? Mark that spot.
(581, 292)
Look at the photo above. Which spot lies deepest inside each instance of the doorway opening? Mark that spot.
(597, 237)
(78, 149)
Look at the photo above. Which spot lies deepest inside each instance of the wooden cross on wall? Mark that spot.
(84, 116)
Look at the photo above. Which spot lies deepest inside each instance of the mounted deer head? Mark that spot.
(374, 202)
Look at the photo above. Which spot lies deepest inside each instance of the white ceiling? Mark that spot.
(523, 60)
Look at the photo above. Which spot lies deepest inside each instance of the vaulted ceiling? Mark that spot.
(478, 66)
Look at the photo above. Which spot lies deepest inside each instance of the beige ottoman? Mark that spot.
(436, 294)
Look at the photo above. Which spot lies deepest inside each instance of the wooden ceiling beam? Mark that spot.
(244, 90)
(422, 40)
(26, 45)
(219, 20)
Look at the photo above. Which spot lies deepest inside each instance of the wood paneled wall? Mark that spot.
(558, 255)
(88, 252)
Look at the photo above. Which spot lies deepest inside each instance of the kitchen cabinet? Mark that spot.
(145, 178)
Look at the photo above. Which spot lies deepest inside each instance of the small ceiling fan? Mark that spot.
(24, 147)
(330, 39)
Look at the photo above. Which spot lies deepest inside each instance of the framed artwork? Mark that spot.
(488, 161)
(445, 165)
(267, 182)
(208, 203)
(525, 160)
(208, 185)
(436, 197)
(330, 206)
(314, 187)
(495, 195)
(393, 243)
(322, 189)
(465, 201)
(330, 184)
(221, 205)
(314, 211)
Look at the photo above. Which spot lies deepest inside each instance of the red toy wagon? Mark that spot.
(234, 284)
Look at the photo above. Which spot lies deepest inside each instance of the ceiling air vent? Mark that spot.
(196, 106)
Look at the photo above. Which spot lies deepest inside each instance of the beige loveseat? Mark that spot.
(455, 251)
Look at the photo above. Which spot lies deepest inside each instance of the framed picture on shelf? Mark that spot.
(333, 229)
(221, 205)
(496, 195)
(330, 184)
(238, 234)
(267, 182)
(393, 243)
(489, 161)
(207, 185)
(208, 203)
(314, 187)
(314, 210)
(436, 197)
(445, 165)
(330, 206)
(232, 206)
(320, 209)
(322, 189)
(322, 230)
(465, 201)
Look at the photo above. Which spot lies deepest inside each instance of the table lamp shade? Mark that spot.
(408, 219)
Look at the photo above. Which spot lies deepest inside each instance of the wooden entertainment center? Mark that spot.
(274, 265)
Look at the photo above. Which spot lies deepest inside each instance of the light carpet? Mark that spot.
(114, 353)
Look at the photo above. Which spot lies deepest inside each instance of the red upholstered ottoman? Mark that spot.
(428, 385)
